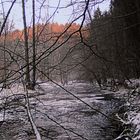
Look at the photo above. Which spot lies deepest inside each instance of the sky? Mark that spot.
(62, 15)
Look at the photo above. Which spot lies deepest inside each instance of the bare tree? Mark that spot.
(28, 80)
(34, 45)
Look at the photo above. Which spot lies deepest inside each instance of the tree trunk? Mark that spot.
(27, 72)
(34, 46)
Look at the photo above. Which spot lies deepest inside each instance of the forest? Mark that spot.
(76, 80)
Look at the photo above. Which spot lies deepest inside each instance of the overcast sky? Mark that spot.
(63, 15)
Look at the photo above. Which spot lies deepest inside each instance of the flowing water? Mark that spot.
(59, 116)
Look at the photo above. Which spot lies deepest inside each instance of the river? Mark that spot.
(60, 116)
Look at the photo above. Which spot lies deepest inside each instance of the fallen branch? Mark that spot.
(37, 134)
(124, 135)
(121, 120)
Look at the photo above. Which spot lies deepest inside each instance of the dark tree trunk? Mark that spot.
(34, 46)
(27, 73)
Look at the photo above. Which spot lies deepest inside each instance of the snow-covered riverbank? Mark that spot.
(131, 118)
